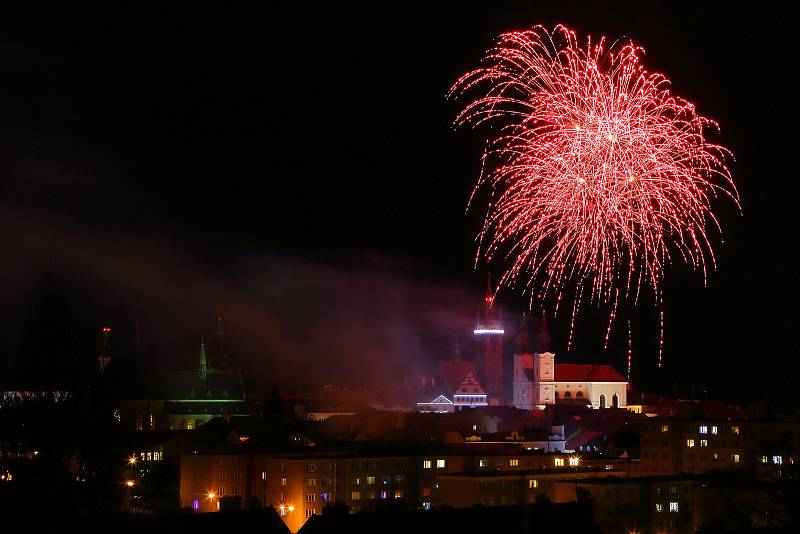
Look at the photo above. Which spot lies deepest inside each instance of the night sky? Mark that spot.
(293, 168)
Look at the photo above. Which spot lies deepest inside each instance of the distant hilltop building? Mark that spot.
(152, 399)
(539, 381)
(489, 334)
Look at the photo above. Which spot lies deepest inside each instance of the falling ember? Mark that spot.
(611, 320)
(598, 176)
(661, 339)
(630, 351)
(576, 305)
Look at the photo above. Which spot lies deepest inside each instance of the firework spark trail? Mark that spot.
(661, 339)
(630, 351)
(611, 317)
(598, 176)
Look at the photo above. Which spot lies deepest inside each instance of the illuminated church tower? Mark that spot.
(489, 336)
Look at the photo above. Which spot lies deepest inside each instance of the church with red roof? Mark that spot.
(539, 381)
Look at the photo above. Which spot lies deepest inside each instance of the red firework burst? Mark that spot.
(599, 176)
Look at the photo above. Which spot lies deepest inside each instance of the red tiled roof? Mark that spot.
(572, 372)
(455, 372)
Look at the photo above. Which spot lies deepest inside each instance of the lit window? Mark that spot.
(311, 468)
(398, 494)
(736, 458)
(474, 427)
(483, 462)
(355, 495)
(659, 507)
(311, 497)
(195, 504)
(370, 481)
(704, 443)
(734, 430)
(384, 494)
(673, 506)
(283, 482)
(426, 505)
(370, 494)
(357, 481)
(763, 459)
(513, 462)
(574, 461)
(777, 460)
(310, 512)
(426, 492)
(533, 484)
(703, 429)
(311, 482)
(440, 463)
(558, 462)
(283, 511)
(716, 456)
(427, 464)
(665, 428)
(715, 430)
(263, 475)
(690, 443)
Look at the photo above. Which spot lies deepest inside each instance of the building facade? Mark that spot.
(458, 387)
(188, 399)
(539, 381)
(652, 504)
(705, 445)
(300, 485)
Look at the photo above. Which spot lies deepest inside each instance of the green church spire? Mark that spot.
(203, 366)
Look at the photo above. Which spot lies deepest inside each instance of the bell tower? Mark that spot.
(489, 337)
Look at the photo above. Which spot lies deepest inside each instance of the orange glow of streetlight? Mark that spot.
(129, 483)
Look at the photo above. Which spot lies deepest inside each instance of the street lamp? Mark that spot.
(129, 483)
(132, 460)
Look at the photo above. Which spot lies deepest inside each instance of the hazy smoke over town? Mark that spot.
(288, 320)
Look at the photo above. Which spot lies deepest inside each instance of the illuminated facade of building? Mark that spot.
(539, 381)
(299, 485)
(458, 388)
(697, 446)
(187, 399)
